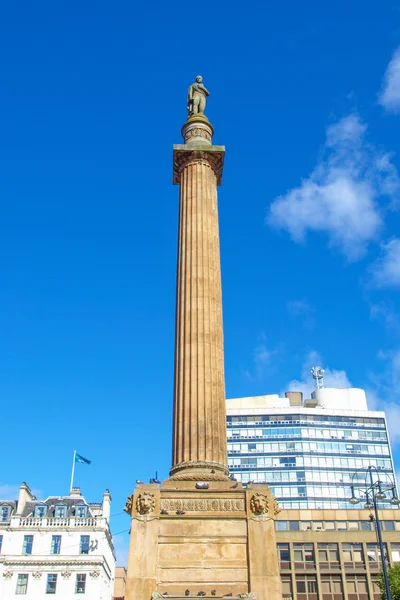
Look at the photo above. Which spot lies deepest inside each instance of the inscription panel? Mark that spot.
(203, 504)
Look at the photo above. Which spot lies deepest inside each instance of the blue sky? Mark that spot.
(306, 98)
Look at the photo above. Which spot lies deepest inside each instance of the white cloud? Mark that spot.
(386, 392)
(385, 271)
(339, 197)
(334, 378)
(301, 309)
(384, 311)
(390, 95)
(262, 361)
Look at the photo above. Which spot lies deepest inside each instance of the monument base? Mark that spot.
(211, 538)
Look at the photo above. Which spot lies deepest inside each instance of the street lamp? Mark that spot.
(374, 492)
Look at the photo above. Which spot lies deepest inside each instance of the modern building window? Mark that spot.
(306, 586)
(287, 589)
(22, 584)
(84, 544)
(80, 586)
(395, 552)
(27, 545)
(376, 590)
(55, 544)
(305, 525)
(304, 553)
(328, 553)
(357, 587)
(388, 525)
(51, 584)
(366, 525)
(374, 555)
(40, 511)
(332, 588)
(4, 513)
(284, 556)
(353, 525)
(281, 525)
(329, 525)
(353, 553)
(294, 525)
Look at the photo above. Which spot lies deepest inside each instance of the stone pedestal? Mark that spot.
(219, 541)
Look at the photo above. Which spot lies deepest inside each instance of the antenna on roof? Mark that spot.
(318, 376)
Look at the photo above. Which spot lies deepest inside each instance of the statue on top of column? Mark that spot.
(197, 97)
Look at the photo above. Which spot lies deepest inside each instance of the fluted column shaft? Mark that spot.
(199, 390)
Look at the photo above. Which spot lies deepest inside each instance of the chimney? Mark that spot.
(25, 495)
(107, 505)
(75, 492)
(295, 398)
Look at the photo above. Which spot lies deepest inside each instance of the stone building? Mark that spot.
(334, 554)
(61, 546)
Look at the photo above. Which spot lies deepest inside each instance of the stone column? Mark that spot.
(199, 429)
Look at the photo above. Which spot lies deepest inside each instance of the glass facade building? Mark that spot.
(308, 452)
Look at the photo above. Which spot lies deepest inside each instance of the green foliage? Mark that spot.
(394, 582)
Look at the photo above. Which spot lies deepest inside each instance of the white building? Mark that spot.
(59, 546)
(308, 451)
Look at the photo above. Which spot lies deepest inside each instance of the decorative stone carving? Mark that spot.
(65, 574)
(248, 595)
(94, 574)
(145, 503)
(37, 575)
(197, 132)
(259, 504)
(211, 158)
(128, 505)
(7, 574)
(202, 504)
(277, 509)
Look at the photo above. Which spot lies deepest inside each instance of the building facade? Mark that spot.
(60, 546)
(308, 451)
(334, 554)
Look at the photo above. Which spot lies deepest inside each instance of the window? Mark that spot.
(306, 586)
(388, 525)
(374, 555)
(55, 544)
(51, 584)
(1, 542)
(27, 545)
(376, 590)
(84, 545)
(294, 525)
(304, 525)
(328, 553)
(353, 553)
(60, 511)
(80, 512)
(353, 525)
(366, 525)
(356, 587)
(4, 513)
(304, 553)
(281, 525)
(332, 587)
(284, 556)
(40, 511)
(22, 584)
(329, 525)
(341, 525)
(286, 583)
(395, 552)
(80, 585)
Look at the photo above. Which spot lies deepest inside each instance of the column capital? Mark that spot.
(185, 155)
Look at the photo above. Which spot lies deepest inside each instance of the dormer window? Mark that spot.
(81, 512)
(60, 511)
(5, 511)
(40, 511)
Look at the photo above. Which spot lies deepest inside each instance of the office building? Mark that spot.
(59, 546)
(308, 451)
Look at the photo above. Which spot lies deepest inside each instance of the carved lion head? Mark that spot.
(145, 503)
(259, 504)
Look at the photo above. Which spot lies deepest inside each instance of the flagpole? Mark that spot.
(73, 471)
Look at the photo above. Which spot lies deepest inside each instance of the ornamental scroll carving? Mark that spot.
(259, 504)
(145, 503)
(212, 159)
(66, 574)
(202, 504)
(128, 505)
(7, 574)
(36, 575)
(277, 509)
(94, 574)
(197, 132)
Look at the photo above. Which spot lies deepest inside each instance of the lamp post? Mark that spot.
(373, 489)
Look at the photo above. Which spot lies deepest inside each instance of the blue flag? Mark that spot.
(80, 459)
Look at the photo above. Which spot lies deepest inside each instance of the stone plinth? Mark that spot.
(220, 539)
